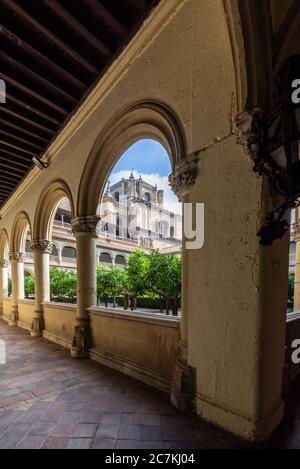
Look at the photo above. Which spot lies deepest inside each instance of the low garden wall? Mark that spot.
(59, 320)
(142, 345)
(26, 311)
(6, 308)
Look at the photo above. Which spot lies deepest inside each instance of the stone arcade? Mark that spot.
(190, 69)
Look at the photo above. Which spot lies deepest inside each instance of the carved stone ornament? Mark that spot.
(85, 226)
(251, 130)
(17, 256)
(185, 174)
(3, 264)
(42, 245)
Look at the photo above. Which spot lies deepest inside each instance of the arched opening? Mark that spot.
(21, 252)
(105, 258)
(139, 219)
(120, 260)
(69, 252)
(53, 223)
(5, 281)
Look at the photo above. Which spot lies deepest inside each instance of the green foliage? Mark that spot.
(164, 277)
(29, 285)
(156, 276)
(63, 284)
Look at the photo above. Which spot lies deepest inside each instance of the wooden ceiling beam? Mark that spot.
(41, 29)
(38, 78)
(57, 8)
(54, 67)
(32, 108)
(22, 130)
(108, 18)
(29, 121)
(7, 160)
(34, 94)
(13, 137)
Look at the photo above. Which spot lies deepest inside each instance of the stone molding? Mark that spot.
(42, 245)
(85, 226)
(3, 264)
(184, 174)
(17, 256)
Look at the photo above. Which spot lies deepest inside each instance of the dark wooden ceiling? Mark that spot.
(51, 53)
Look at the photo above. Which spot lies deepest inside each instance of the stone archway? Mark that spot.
(17, 256)
(4, 250)
(146, 119)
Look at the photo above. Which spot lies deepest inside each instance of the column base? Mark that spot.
(257, 428)
(14, 316)
(81, 339)
(37, 325)
(183, 388)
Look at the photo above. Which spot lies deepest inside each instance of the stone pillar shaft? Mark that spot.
(3, 283)
(59, 255)
(84, 230)
(41, 252)
(184, 377)
(17, 278)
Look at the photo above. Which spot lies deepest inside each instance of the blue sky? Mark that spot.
(145, 156)
(150, 160)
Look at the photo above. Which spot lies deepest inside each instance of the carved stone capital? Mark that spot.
(250, 126)
(42, 245)
(85, 226)
(184, 175)
(296, 231)
(3, 264)
(17, 256)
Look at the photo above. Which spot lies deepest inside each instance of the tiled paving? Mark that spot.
(49, 400)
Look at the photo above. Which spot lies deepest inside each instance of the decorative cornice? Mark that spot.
(85, 226)
(184, 175)
(42, 245)
(17, 256)
(296, 231)
(3, 264)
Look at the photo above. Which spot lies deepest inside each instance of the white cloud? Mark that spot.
(171, 202)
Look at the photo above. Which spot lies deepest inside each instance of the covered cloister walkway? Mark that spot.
(48, 400)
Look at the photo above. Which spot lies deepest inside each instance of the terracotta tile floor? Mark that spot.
(48, 400)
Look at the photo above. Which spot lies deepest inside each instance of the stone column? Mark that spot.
(113, 259)
(296, 236)
(183, 387)
(84, 230)
(59, 255)
(3, 283)
(17, 278)
(41, 252)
